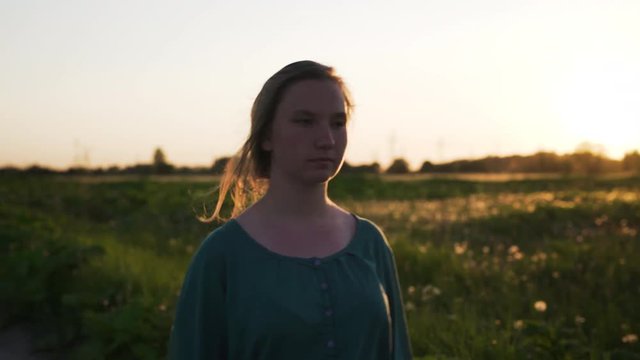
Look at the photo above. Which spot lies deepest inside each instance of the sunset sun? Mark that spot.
(600, 105)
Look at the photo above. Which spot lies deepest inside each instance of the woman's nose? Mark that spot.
(325, 137)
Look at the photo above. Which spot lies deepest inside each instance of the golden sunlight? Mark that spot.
(599, 103)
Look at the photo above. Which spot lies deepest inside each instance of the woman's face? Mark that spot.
(308, 135)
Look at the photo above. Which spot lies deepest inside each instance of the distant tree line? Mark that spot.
(585, 160)
(542, 162)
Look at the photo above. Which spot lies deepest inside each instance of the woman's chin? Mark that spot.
(320, 176)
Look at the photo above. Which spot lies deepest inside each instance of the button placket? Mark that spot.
(327, 306)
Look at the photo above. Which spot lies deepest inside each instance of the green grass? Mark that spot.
(98, 264)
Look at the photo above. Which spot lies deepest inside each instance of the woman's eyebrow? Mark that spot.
(340, 114)
(303, 112)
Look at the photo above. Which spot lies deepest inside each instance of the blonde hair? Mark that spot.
(246, 174)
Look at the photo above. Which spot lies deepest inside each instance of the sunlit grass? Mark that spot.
(530, 269)
(146, 270)
(459, 209)
(584, 294)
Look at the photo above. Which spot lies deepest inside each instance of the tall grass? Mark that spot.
(542, 268)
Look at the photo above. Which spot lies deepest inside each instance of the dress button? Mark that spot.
(328, 312)
(330, 344)
(316, 262)
(324, 286)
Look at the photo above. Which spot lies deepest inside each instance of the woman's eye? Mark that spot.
(303, 121)
(339, 123)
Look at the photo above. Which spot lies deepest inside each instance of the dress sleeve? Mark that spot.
(401, 346)
(199, 328)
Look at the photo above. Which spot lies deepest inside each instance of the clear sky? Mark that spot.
(106, 82)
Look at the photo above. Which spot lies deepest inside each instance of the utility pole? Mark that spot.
(81, 155)
(440, 146)
(392, 145)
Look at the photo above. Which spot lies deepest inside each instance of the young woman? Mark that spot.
(293, 275)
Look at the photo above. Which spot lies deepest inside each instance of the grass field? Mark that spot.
(491, 268)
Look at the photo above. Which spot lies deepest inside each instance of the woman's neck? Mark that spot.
(297, 201)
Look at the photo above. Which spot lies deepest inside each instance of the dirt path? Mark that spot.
(16, 344)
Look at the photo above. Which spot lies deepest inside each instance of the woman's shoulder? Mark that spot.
(218, 242)
(371, 232)
(373, 246)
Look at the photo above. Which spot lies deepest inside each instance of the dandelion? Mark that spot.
(498, 322)
(514, 249)
(539, 256)
(628, 231)
(556, 275)
(162, 307)
(422, 249)
(540, 306)
(409, 306)
(411, 290)
(630, 339)
(460, 248)
(514, 253)
(579, 320)
(518, 324)
(485, 250)
(601, 220)
(494, 342)
(429, 292)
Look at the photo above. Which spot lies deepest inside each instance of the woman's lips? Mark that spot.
(322, 161)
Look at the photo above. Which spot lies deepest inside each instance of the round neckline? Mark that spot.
(327, 258)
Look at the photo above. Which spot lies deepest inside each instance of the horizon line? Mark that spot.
(195, 166)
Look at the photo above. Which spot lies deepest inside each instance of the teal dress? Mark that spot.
(239, 300)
